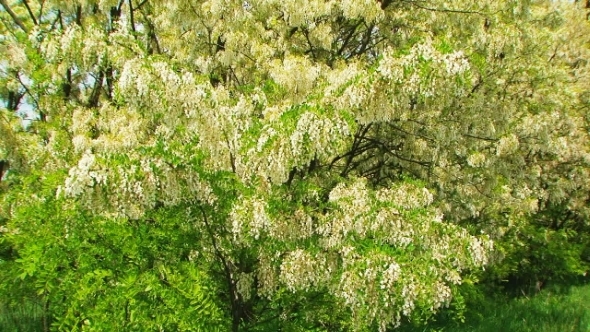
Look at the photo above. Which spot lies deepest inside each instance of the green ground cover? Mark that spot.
(552, 310)
(21, 316)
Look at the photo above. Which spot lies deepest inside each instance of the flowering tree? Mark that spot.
(315, 165)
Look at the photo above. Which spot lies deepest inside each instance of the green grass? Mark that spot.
(552, 310)
(22, 316)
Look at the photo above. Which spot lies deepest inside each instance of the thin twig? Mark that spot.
(30, 12)
(132, 18)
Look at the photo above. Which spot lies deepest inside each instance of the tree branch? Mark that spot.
(389, 150)
(311, 48)
(13, 15)
(30, 12)
(131, 17)
(347, 38)
(95, 95)
(36, 102)
(142, 3)
(234, 296)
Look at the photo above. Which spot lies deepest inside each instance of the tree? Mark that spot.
(316, 165)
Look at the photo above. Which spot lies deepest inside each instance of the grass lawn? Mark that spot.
(552, 310)
(26, 316)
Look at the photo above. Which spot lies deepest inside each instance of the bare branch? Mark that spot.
(30, 12)
(144, 2)
(131, 17)
(13, 15)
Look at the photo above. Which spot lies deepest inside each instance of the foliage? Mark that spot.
(537, 254)
(317, 165)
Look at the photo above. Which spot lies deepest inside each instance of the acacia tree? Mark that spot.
(315, 165)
